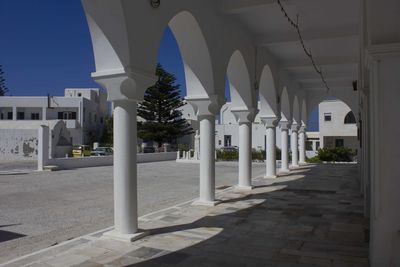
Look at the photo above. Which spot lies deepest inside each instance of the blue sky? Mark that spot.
(45, 47)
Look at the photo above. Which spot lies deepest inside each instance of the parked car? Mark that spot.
(149, 149)
(102, 151)
(81, 151)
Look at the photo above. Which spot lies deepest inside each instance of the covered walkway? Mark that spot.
(310, 217)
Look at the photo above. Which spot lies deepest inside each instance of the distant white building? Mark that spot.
(337, 125)
(82, 109)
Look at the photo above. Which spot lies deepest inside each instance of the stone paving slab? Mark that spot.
(312, 217)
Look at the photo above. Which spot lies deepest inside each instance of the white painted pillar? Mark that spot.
(125, 169)
(284, 147)
(124, 90)
(245, 159)
(295, 146)
(207, 160)
(271, 152)
(43, 146)
(44, 113)
(302, 145)
(14, 112)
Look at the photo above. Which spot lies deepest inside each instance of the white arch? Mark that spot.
(296, 111)
(268, 99)
(285, 106)
(304, 118)
(195, 54)
(239, 82)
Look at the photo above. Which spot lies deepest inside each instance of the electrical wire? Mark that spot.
(306, 51)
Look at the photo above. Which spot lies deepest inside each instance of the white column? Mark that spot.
(271, 152)
(302, 145)
(44, 113)
(14, 112)
(245, 156)
(207, 160)
(43, 146)
(125, 172)
(284, 147)
(124, 90)
(295, 146)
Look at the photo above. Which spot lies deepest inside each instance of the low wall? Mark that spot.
(74, 163)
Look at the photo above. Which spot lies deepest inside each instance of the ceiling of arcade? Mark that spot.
(330, 30)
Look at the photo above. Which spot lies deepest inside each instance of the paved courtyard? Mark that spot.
(41, 209)
(312, 217)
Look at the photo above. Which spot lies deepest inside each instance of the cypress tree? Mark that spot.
(3, 87)
(163, 121)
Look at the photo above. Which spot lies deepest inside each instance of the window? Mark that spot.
(350, 118)
(101, 120)
(317, 145)
(327, 116)
(219, 142)
(339, 143)
(79, 94)
(309, 145)
(73, 115)
(60, 115)
(34, 116)
(9, 116)
(20, 115)
(95, 117)
(2, 116)
(227, 140)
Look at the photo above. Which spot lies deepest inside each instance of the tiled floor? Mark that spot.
(312, 217)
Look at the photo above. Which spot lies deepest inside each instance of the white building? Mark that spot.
(337, 128)
(83, 110)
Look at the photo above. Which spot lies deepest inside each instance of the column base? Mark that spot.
(206, 203)
(284, 171)
(113, 234)
(244, 188)
(270, 176)
(302, 163)
(294, 166)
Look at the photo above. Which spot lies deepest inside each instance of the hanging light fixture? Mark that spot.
(155, 3)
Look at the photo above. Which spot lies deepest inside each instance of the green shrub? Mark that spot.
(183, 147)
(343, 154)
(314, 160)
(227, 155)
(278, 153)
(258, 155)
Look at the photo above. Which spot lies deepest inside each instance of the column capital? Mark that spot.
(294, 127)
(125, 84)
(302, 129)
(270, 122)
(244, 115)
(203, 106)
(285, 125)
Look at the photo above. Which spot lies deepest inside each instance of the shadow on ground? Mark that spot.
(6, 235)
(314, 218)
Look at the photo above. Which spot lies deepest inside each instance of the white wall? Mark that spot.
(86, 162)
(18, 144)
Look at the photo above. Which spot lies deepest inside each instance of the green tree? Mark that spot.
(3, 87)
(163, 121)
(107, 137)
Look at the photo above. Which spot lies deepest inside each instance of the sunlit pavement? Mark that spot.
(312, 217)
